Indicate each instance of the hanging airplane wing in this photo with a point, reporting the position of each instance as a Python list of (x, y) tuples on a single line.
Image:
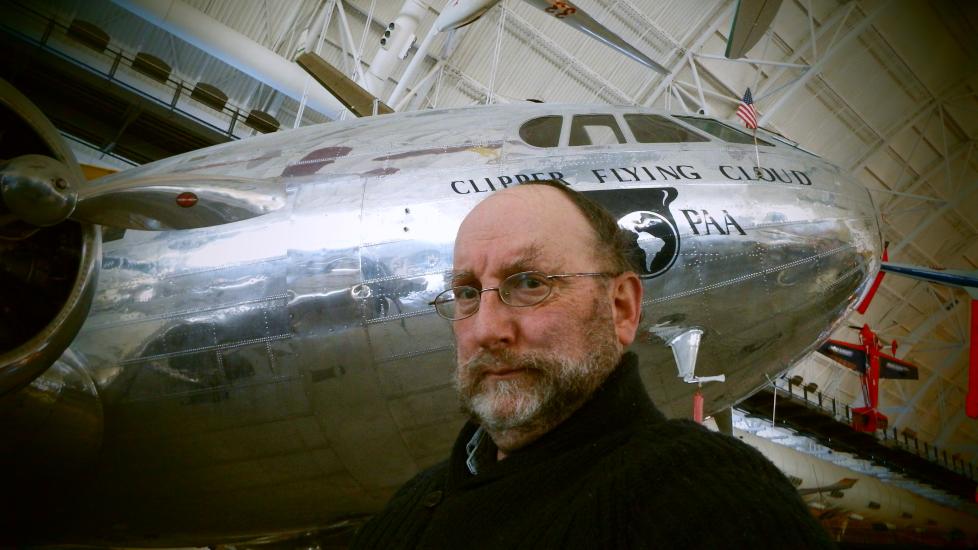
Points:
[(751, 20), (853, 356), (949, 277), (359, 101), (837, 487), (895, 368), (847, 354)]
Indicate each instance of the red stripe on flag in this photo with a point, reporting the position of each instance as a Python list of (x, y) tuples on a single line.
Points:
[(748, 115)]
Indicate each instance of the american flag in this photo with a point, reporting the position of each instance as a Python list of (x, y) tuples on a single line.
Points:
[(746, 110)]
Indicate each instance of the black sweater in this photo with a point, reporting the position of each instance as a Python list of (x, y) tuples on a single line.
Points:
[(616, 474)]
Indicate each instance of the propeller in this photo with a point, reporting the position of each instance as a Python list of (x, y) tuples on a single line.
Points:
[(38, 190)]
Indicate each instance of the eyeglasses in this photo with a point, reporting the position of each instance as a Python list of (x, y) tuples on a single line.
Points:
[(525, 289)]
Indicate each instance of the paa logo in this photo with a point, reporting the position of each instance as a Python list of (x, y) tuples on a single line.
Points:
[(645, 213)]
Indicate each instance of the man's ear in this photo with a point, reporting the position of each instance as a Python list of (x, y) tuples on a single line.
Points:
[(626, 303)]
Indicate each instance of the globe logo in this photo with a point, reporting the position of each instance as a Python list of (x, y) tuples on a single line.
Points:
[(656, 239)]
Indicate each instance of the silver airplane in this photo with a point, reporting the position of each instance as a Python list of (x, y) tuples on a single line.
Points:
[(239, 341)]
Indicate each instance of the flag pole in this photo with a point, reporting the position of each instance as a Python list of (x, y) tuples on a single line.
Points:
[(748, 114), (757, 152)]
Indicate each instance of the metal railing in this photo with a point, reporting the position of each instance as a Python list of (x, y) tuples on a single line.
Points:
[(892, 437), (122, 69)]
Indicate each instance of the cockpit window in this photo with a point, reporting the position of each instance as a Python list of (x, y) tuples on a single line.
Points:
[(542, 132), (595, 130), (722, 131), (659, 129), (790, 143)]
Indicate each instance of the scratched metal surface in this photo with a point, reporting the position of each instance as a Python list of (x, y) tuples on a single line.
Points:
[(286, 371)]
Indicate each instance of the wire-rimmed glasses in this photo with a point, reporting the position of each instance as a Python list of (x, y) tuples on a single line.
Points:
[(525, 289)]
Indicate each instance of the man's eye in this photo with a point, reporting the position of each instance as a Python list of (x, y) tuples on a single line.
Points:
[(528, 282), (466, 293)]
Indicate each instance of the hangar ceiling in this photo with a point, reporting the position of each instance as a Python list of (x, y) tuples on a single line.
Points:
[(884, 89)]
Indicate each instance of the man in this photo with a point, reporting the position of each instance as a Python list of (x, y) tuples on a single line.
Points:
[(564, 448)]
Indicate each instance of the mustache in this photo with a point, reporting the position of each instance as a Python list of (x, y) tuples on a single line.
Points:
[(477, 366)]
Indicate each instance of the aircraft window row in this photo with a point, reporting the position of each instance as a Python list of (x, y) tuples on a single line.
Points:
[(722, 131), (595, 129)]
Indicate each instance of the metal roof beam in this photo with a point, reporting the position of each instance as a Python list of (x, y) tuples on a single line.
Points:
[(926, 327), (949, 429), (841, 13), (963, 193), (635, 14), (949, 361), (697, 44), (816, 68), (888, 137), (926, 173)]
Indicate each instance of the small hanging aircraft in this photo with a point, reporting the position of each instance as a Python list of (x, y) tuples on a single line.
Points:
[(872, 364), (238, 341)]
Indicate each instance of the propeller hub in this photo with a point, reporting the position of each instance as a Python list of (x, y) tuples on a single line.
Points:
[(37, 189)]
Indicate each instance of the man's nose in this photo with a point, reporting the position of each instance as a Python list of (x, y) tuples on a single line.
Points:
[(495, 323)]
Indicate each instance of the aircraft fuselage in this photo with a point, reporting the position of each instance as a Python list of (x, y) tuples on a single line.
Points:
[(287, 371)]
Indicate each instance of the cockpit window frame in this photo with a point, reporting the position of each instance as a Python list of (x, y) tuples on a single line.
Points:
[(560, 134), (705, 137), (565, 132), (685, 118)]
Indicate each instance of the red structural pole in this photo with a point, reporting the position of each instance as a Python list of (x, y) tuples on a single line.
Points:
[(872, 290), (873, 376), (698, 406), (971, 401)]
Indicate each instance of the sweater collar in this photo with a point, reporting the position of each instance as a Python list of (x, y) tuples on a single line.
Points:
[(619, 402)]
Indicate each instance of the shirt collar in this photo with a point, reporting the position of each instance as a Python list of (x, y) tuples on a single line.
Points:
[(471, 450)]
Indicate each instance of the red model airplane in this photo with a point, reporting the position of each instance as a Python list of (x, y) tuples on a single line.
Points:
[(872, 363)]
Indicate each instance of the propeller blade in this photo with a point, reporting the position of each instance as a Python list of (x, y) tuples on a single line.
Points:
[(574, 16), (36, 190), (359, 101), (176, 201), (751, 20), (42, 127)]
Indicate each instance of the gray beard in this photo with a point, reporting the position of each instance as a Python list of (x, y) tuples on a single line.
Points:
[(550, 390)]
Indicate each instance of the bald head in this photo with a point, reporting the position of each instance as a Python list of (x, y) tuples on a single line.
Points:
[(550, 199), (531, 217)]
